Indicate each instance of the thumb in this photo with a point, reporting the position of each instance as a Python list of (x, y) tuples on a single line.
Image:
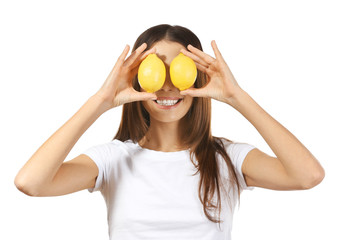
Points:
[(193, 92), (144, 96)]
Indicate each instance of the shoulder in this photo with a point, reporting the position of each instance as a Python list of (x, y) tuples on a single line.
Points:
[(108, 149), (231, 144), (235, 150), (114, 144)]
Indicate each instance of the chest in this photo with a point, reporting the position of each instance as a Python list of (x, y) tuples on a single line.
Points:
[(161, 194)]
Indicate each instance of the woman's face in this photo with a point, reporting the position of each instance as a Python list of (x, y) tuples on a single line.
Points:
[(167, 51)]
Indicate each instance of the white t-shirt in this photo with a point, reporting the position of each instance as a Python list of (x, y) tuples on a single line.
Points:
[(154, 195)]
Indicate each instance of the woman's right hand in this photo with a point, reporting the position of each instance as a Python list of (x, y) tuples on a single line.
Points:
[(118, 87)]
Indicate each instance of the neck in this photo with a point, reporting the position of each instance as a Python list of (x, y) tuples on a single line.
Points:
[(163, 136)]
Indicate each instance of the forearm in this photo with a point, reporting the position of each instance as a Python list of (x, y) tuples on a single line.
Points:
[(294, 156), (41, 168)]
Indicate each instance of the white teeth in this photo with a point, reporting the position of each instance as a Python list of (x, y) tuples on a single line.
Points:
[(167, 102)]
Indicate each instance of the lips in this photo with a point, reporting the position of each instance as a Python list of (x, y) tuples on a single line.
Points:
[(166, 107), (169, 98)]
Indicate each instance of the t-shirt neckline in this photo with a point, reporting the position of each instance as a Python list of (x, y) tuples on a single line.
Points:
[(160, 153), (139, 146)]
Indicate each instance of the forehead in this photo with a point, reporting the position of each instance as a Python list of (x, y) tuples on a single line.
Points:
[(167, 50)]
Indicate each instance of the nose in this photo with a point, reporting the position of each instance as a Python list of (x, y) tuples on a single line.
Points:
[(168, 85)]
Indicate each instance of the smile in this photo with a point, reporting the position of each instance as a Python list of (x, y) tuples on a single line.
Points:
[(168, 104)]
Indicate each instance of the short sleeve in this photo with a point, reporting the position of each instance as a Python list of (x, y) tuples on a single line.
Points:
[(101, 155), (237, 153)]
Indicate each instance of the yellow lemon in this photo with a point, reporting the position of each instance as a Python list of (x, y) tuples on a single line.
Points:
[(152, 73), (183, 72)]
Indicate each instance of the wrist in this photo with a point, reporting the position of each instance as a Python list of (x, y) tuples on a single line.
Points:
[(101, 104), (235, 99)]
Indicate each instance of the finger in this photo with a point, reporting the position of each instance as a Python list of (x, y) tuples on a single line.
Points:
[(142, 57), (194, 57), (216, 51), (194, 92), (120, 59), (204, 69), (201, 67), (143, 96), (137, 62), (145, 54), (135, 54), (207, 58), (123, 55)]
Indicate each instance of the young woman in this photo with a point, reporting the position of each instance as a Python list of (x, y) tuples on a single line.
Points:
[(164, 176)]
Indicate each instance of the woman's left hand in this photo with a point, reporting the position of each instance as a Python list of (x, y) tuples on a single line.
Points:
[(221, 84)]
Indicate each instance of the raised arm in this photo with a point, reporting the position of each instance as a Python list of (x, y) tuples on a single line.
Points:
[(46, 173), (294, 167), (37, 175)]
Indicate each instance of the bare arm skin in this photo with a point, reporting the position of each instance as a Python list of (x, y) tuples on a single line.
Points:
[(46, 173), (294, 167)]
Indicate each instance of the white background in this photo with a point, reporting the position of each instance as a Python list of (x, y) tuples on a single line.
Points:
[(285, 54)]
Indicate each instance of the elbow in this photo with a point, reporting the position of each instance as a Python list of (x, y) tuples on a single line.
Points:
[(23, 186), (315, 179)]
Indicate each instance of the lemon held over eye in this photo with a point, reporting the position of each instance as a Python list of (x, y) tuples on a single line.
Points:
[(152, 73), (183, 72)]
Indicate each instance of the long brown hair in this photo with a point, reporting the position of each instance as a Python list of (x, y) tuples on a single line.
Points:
[(135, 123)]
